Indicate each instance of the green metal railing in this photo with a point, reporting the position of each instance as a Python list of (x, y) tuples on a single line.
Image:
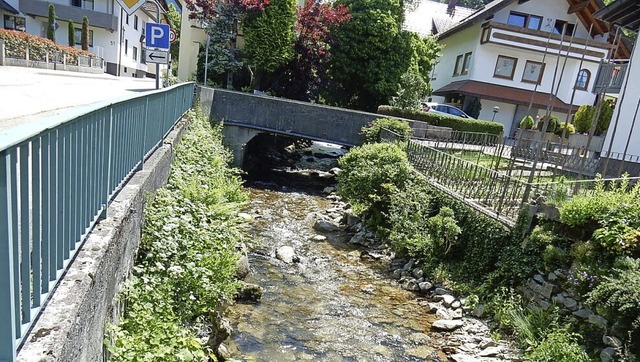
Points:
[(57, 177)]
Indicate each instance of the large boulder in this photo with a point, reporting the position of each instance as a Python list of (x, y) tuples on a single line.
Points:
[(286, 254), (325, 226)]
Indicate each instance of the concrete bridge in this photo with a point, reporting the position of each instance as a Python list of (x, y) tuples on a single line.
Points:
[(246, 115)]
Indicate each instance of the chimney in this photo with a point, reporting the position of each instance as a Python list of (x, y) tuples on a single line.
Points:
[(451, 9)]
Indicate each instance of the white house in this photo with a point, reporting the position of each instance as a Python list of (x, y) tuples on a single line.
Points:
[(113, 35), (621, 150), (430, 17), (524, 57)]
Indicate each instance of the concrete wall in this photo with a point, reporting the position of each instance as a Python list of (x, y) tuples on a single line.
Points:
[(71, 327)]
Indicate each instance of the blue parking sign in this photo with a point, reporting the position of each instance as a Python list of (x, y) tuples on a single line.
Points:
[(157, 36)]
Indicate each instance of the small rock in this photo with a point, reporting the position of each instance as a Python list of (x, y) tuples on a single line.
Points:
[(335, 170), (319, 238), (432, 307), (325, 226), (248, 292), (489, 343), (583, 313), (417, 273), (456, 313), (611, 341), (608, 354), (478, 311), (490, 352), (571, 304), (441, 291), (408, 265), (447, 325), (411, 285), (286, 254), (446, 299), (539, 278), (424, 286), (244, 216), (598, 321), (358, 238), (397, 274), (443, 313), (456, 304), (328, 190), (242, 266), (461, 357), (552, 276)]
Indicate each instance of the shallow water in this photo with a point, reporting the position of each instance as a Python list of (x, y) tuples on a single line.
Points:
[(331, 306)]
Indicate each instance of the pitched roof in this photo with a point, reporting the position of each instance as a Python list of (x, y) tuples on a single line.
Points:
[(502, 93), (428, 15), (5, 6)]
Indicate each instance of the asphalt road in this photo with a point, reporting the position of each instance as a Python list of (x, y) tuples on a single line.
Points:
[(27, 94)]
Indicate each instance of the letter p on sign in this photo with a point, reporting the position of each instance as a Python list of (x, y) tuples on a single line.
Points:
[(157, 36)]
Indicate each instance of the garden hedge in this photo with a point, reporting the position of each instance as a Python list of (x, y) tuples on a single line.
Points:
[(16, 43), (442, 120)]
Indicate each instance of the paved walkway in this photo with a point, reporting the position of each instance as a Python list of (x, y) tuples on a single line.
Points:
[(27, 94)]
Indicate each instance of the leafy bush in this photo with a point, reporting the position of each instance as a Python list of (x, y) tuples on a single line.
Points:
[(412, 89), (553, 123), (186, 261), (584, 117), (16, 43), (372, 130), (443, 230), (527, 122), (558, 346), (617, 298), (442, 120), (570, 129), (370, 175)]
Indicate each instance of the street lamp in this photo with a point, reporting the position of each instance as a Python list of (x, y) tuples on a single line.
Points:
[(496, 109)]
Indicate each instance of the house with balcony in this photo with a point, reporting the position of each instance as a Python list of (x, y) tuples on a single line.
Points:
[(524, 57), (116, 37), (621, 151)]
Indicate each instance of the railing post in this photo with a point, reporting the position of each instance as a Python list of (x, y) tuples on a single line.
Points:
[(103, 214), (7, 298)]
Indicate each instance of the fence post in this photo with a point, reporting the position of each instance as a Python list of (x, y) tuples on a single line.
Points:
[(1, 52), (7, 306)]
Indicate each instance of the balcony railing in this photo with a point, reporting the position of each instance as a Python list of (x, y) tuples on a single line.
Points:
[(70, 12), (610, 77), (518, 37)]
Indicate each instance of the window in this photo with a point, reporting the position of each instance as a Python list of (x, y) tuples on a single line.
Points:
[(505, 67), (135, 22), (466, 63), (143, 56), (561, 24), (78, 36), (15, 23), (533, 72), (126, 20), (582, 81), (458, 69), (126, 46), (85, 4), (135, 53), (525, 20)]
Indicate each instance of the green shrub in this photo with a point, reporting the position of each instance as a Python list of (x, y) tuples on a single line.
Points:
[(558, 346), (527, 122), (443, 230), (51, 31), (84, 41), (584, 117), (617, 298), (71, 33), (370, 175), (570, 129), (372, 130), (442, 120), (553, 123), (16, 43)]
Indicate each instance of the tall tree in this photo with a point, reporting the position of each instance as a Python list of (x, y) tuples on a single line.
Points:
[(306, 74), (71, 29), (85, 33), (175, 22), (269, 37), (370, 55), (51, 23)]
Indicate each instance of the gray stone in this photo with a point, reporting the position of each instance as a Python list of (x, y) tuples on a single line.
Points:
[(286, 254), (328, 190), (319, 238), (432, 307), (462, 357), (441, 291), (552, 276), (420, 338), (443, 313), (478, 311), (539, 278), (583, 313), (447, 325), (244, 216), (559, 298), (490, 352), (425, 286), (242, 266), (456, 304), (397, 274), (325, 226), (408, 265), (456, 313), (608, 354), (611, 341), (571, 304), (547, 289), (598, 321), (249, 293), (411, 285), (447, 299), (417, 273), (358, 238)]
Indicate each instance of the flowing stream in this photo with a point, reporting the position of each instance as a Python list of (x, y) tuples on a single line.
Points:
[(331, 305)]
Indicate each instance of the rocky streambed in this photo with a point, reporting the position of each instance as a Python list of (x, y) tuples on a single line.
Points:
[(332, 292)]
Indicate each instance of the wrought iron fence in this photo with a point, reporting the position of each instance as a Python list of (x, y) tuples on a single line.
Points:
[(55, 184)]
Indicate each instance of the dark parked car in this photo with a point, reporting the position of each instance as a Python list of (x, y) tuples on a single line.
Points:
[(445, 108)]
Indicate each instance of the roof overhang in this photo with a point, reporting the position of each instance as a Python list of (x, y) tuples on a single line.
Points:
[(504, 94), (6, 7), (625, 13)]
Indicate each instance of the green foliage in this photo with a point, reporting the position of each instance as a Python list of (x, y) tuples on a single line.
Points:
[(442, 120), (371, 131), (51, 30), (553, 123), (474, 107), (527, 122), (16, 43), (617, 297), (570, 129), (175, 20), (85, 33), (71, 30), (187, 255), (269, 37), (412, 89), (583, 119), (370, 55), (443, 230), (558, 346), (370, 175)]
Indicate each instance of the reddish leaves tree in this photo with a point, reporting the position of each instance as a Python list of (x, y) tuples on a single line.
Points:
[(305, 76)]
